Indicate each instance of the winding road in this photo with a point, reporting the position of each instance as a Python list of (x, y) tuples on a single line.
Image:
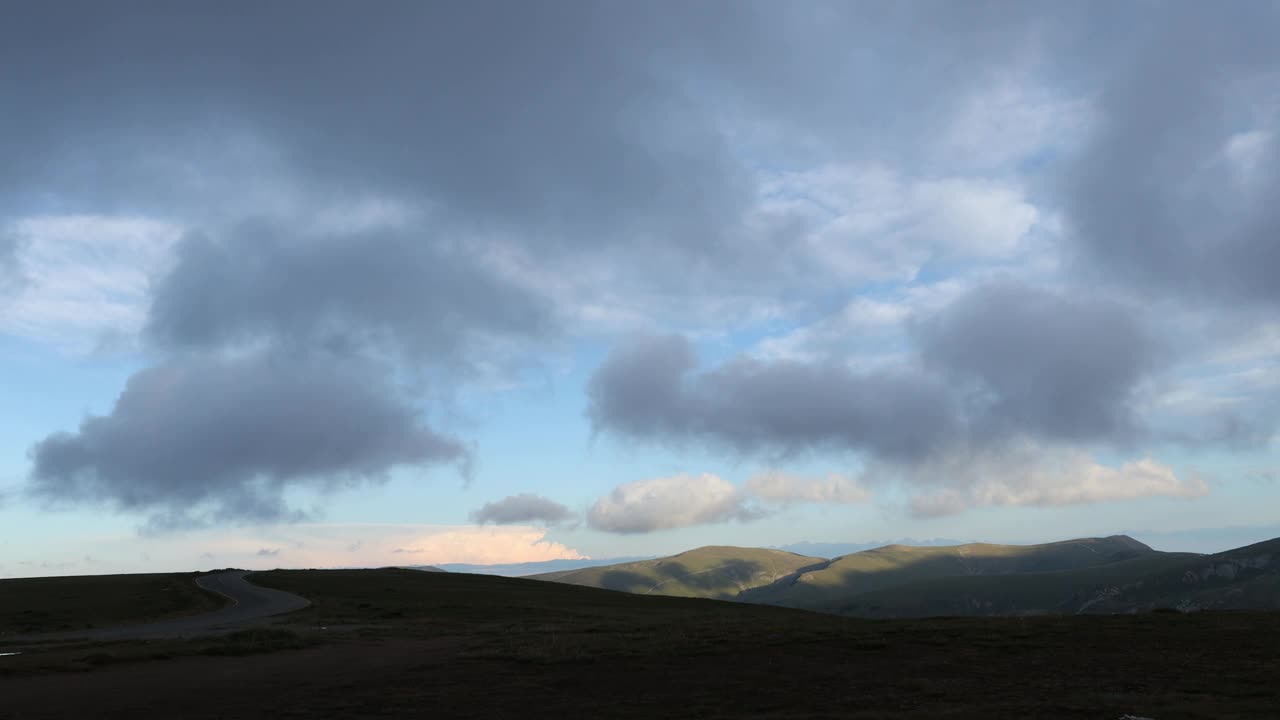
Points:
[(249, 604)]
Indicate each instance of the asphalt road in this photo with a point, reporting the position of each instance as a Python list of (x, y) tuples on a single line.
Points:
[(250, 605)]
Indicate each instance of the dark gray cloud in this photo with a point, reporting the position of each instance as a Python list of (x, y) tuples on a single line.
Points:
[(1042, 363), (522, 508), (394, 288), (649, 390), (598, 156), (554, 120), (223, 439), (1002, 361), (1176, 187), (10, 272), (582, 126)]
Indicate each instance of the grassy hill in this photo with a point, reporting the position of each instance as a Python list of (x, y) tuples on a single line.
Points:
[(708, 572), (35, 605), (1108, 575), (1032, 593), (1246, 578), (835, 584), (388, 643), (1242, 579)]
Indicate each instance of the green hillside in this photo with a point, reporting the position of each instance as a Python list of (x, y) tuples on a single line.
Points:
[(1033, 593), (835, 584), (1246, 578), (708, 572), (1107, 575)]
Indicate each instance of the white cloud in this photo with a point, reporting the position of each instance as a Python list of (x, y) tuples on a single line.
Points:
[(306, 545), (783, 489), (862, 320), (1011, 121), (1030, 476), (871, 222), (86, 278), (671, 502), (1246, 154)]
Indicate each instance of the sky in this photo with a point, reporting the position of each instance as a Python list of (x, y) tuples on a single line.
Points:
[(334, 284)]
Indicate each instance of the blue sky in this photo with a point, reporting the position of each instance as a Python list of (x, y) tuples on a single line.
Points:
[(492, 284)]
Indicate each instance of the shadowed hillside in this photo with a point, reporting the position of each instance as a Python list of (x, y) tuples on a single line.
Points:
[(389, 643), (834, 585), (710, 572), (1243, 579)]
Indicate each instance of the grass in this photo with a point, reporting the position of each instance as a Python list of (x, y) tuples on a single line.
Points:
[(78, 657), (37, 605), (399, 643), (840, 583), (711, 572)]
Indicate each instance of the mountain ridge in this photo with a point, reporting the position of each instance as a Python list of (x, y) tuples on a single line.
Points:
[(1111, 574)]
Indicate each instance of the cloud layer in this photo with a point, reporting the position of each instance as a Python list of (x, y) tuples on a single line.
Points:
[(380, 286), (785, 489), (350, 209), (223, 439), (1003, 360)]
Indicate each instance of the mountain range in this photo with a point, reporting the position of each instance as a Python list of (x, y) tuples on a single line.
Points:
[(1115, 574)]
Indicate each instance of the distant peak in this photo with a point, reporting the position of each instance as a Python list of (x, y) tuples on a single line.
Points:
[(1129, 542)]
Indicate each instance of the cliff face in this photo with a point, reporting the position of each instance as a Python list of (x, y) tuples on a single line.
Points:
[(1247, 578)]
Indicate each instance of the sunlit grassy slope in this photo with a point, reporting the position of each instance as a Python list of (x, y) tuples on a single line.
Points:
[(711, 572)]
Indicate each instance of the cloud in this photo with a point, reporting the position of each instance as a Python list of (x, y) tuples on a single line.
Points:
[(608, 140), (314, 545), (1003, 360), (382, 287), (784, 489), (1042, 363), (522, 509), (1174, 190), (84, 277), (222, 439), (678, 501), (11, 276), (1028, 475), (648, 390), (869, 222), (268, 552), (1002, 366)]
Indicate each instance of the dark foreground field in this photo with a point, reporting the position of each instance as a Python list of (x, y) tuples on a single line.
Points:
[(397, 643)]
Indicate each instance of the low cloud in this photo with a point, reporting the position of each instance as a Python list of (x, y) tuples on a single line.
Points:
[(666, 503), (268, 552), (315, 545), (1002, 366), (1041, 363), (1174, 190), (220, 440), (784, 489), (649, 390), (522, 509), (1030, 476), (380, 286), (11, 275)]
